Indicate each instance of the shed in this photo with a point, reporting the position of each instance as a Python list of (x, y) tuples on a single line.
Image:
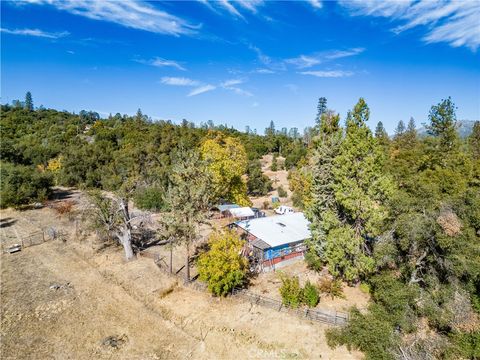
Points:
[(242, 213)]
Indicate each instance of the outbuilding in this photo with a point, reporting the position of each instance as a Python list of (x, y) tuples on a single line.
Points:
[(276, 240)]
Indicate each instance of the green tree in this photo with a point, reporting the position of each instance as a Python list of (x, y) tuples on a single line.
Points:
[(223, 267), (361, 190), (474, 141), (28, 101), (274, 166), (258, 183), (321, 210), (400, 129), (321, 109), (188, 199), (442, 122), (381, 135)]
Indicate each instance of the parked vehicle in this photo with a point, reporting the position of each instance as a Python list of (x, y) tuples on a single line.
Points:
[(283, 210)]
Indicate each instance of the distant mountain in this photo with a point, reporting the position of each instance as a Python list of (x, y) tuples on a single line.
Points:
[(464, 128)]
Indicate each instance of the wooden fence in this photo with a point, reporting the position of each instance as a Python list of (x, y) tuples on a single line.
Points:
[(323, 316)]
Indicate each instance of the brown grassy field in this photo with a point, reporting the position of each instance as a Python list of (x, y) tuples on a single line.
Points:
[(63, 299)]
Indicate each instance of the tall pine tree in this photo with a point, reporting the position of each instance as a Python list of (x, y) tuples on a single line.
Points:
[(321, 109), (360, 189), (322, 209), (28, 101)]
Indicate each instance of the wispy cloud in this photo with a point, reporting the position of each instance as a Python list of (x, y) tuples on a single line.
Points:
[(327, 73), (292, 87), (307, 61), (304, 61), (201, 89), (453, 22), (161, 62), (234, 7), (179, 81), (264, 71), (316, 4), (36, 33), (134, 14), (232, 86)]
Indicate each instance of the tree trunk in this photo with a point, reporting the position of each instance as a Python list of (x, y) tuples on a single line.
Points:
[(126, 240), (171, 256), (187, 264)]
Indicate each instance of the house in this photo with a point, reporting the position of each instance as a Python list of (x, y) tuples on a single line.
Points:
[(276, 240)]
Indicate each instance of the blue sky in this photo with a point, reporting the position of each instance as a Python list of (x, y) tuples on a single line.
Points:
[(243, 62)]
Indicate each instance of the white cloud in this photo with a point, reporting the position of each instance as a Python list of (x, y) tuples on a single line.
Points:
[(232, 82), (179, 81), (134, 14), (36, 33), (255, 104), (337, 54), (452, 22), (201, 89), (307, 61), (233, 7), (239, 91), (316, 4), (328, 73), (161, 62), (264, 71), (303, 61)]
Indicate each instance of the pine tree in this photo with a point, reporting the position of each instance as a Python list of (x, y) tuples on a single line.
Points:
[(400, 129), (28, 101), (321, 109), (381, 135), (443, 120), (321, 211), (474, 141), (360, 190)]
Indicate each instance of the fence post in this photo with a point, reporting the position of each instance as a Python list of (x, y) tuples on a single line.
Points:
[(306, 312)]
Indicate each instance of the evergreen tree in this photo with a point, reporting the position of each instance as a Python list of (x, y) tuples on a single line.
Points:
[(28, 101), (321, 109), (442, 124), (474, 141), (258, 184), (360, 189), (381, 134), (400, 129), (322, 207)]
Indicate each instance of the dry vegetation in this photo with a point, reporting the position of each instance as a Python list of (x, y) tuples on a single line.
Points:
[(66, 299)]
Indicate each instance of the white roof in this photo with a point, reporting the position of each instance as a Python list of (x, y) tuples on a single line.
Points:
[(241, 212), (278, 230)]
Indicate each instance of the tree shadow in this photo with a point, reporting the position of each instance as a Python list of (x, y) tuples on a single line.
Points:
[(6, 222)]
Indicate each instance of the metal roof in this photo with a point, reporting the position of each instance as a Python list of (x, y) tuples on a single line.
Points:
[(242, 212), (224, 207), (278, 230)]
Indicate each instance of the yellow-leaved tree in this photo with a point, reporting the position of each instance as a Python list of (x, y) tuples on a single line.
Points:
[(223, 267), (227, 162)]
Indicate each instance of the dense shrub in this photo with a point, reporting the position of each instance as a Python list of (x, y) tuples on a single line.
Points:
[(310, 295), (21, 185), (282, 192), (291, 291), (371, 333), (150, 198), (223, 267)]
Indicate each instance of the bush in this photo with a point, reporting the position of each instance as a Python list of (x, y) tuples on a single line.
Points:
[(310, 295), (149, 198), (331, 287), (282, 192), (222, 266), (258, 184), (292, 294), (370, 333), (21, 185), (266, 205), (313, 260), (274, 166)]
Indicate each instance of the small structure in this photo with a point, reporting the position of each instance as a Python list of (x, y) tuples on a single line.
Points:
[(221, 211), (242, 213), (274, 240)]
